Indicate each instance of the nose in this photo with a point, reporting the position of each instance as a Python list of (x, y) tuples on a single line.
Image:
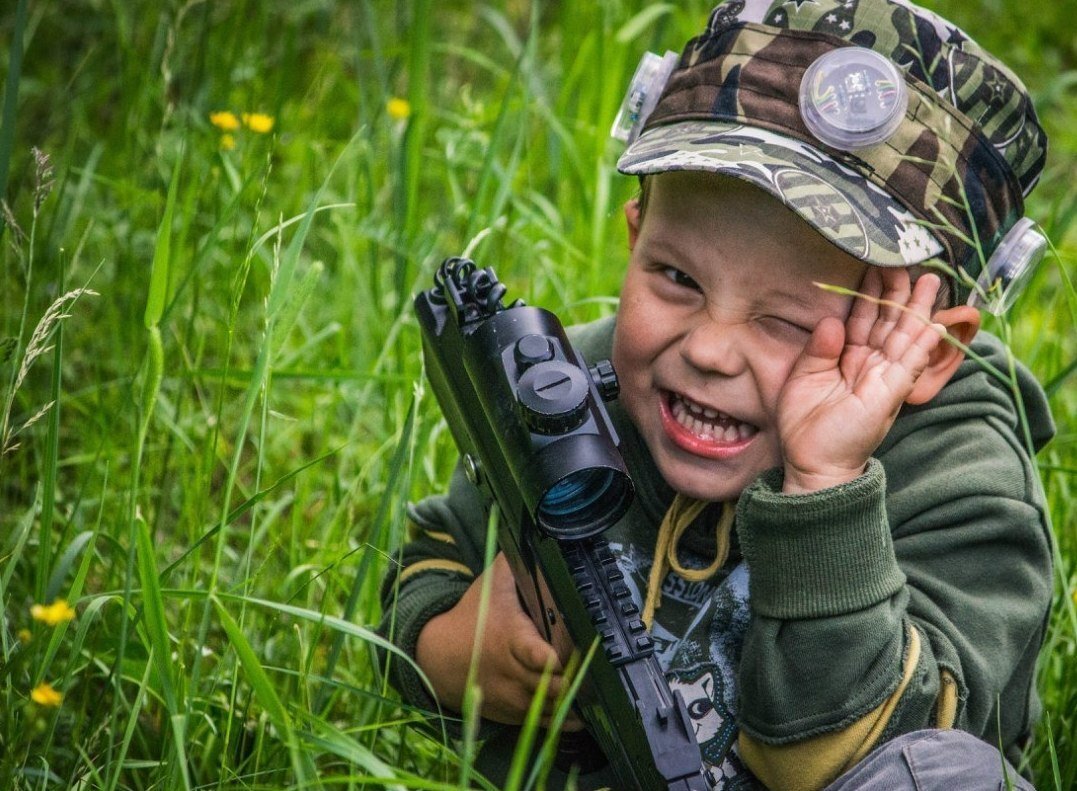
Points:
[(715, 346)]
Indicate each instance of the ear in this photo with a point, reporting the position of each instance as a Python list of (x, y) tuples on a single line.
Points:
[(962, 323), (632, 216)]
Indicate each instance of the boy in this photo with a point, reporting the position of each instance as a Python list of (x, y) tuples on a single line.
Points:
[(838, 531)]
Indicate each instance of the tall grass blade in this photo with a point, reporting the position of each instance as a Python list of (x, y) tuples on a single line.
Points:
[(11, 100), (132, 722), (302, 764), (376, 537), (243, 508), (51, 460), (162, 252), (332, 622), (17, 542), (64, 563), (521, 756), (325, 737), (153, 610), (642, 22), (1055, 384), (281, 290), (415, 136), (577, 672)]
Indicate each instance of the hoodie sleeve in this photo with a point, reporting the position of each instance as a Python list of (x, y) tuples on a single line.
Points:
[(915, 596), (441, 559)]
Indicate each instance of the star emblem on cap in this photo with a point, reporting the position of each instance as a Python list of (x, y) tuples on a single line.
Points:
[(956, 37), (837, 22), (997, 87), (823, 211)]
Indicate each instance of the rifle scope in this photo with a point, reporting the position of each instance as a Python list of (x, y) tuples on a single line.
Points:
[(524, 377)]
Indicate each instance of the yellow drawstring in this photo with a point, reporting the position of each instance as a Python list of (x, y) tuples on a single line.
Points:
[(680, 515)]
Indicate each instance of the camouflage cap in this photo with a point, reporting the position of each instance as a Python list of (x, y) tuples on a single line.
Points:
[(948, 183)]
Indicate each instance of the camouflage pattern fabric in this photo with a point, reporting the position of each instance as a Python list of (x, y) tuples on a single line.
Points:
[(947, 184)]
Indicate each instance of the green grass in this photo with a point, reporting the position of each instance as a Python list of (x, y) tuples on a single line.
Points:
[(237, 413)]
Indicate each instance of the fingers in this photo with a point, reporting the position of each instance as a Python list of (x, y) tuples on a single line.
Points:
[(532, 652), (903, 336), (571, 723), (902, 376), (513, 699), (893, 312), (865, 311)]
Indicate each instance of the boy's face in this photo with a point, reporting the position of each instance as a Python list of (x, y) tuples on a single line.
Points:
[(717, 304)]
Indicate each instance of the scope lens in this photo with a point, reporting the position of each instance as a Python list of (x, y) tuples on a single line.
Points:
[(584, 503)]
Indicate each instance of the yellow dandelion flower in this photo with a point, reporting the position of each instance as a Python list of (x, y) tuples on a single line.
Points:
[(399, 109), (44, 695), (228, 142), (25, 636), (52, 614), (224, 120), (258, 122)]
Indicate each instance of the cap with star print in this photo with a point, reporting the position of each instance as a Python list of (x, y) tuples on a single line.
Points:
[(946, 180)]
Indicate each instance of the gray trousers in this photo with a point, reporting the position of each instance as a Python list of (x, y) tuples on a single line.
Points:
[(928, 760), (932, 761)]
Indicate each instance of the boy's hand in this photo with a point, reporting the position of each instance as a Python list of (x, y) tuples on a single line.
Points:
[(512, 658), (845, 390)]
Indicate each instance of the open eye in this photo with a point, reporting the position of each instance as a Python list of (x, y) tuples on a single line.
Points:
[(680, 278)]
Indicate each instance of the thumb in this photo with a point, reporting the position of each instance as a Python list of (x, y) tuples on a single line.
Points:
[(532, 651), (823, 348)]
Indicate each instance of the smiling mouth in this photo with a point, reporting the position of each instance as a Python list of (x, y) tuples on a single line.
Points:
[(704, 430)]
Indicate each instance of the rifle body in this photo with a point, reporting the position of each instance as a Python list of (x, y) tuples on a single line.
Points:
[(527, 416)]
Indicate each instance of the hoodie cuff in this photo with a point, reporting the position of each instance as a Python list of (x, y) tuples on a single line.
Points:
[(422, 598), (819, 554)]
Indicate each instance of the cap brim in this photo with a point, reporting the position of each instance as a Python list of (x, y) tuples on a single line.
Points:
[(845, 207)]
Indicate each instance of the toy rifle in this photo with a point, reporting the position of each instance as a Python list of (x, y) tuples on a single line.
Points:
[(527, 415)]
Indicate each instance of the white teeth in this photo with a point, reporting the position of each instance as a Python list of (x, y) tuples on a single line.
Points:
[(708, 422), (698, 410)]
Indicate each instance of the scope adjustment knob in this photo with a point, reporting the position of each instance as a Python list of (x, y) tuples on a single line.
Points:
[(605, 379), (532, 350), (553, 397)]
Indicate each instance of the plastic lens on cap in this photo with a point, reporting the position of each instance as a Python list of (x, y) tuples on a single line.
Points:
[(1010, 267), (853, 97), (647, 84)]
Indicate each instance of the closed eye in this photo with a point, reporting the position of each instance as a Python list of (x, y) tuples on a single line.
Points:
[(785, 326), (680, 278)]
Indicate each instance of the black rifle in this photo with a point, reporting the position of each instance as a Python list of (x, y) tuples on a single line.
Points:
[(527, 415)]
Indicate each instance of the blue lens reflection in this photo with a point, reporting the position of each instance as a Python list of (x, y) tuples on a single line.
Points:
[(575, 494)]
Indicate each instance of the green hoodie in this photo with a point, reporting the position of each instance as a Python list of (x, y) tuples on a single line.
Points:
[(915, 596)]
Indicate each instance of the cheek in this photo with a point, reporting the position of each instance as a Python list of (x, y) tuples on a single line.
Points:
[(632, 339), (771, 376), (629, 359)]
